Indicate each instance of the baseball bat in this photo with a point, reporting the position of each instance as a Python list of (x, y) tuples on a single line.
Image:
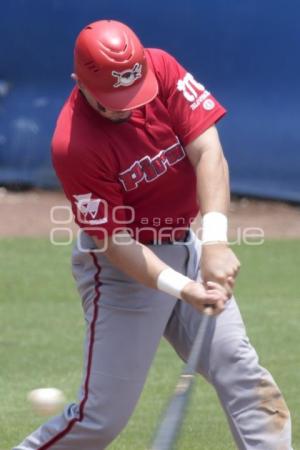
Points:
[(169, 428)]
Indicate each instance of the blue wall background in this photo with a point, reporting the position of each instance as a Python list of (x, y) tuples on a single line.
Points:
[(245, 51)]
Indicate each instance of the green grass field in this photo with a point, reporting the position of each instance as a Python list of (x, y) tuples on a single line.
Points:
[(41, 329)]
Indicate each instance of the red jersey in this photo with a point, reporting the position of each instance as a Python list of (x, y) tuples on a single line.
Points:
[(135, 174)]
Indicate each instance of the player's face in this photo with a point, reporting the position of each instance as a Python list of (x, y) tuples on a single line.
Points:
[(114, 116)]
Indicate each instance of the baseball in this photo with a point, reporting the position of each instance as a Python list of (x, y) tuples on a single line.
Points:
[(46, 401)]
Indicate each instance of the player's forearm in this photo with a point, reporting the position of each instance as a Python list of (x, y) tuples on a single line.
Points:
[(140, 263), (134, 259)]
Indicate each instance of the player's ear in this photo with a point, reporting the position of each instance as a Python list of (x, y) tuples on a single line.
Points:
[(77, 81), (74, 77)]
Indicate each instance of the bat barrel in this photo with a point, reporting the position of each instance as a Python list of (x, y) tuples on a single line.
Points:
[(172, 420)]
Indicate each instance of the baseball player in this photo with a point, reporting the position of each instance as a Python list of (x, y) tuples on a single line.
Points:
[(138, 155)]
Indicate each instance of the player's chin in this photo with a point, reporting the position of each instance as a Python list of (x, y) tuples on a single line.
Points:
[(121, 117)]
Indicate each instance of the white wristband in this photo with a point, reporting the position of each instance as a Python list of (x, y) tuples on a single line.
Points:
[(214, 227), (172, 282)]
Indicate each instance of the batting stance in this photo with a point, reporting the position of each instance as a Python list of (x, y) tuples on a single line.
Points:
[(137, 153)]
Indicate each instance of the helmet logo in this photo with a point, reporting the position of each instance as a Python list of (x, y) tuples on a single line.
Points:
[(128, 76)]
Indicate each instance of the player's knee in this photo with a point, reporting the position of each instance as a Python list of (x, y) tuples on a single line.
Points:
[(230, 357)]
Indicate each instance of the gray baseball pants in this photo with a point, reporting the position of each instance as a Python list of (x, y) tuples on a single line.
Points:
[(124, 324)]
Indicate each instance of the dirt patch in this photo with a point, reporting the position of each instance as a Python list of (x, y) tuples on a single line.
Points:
[(277, 220), (273, 404), (33, 213)]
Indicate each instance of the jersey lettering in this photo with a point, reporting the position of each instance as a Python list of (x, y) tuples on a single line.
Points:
[(174, 154), (160, 163), (131, 177), (148, 169), (195, 93), (190, 87)]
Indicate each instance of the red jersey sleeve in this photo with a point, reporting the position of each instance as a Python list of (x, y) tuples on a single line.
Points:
[(191, 106), (94, 193)]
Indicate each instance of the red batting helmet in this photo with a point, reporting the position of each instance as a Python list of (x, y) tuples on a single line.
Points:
[(111, 63)]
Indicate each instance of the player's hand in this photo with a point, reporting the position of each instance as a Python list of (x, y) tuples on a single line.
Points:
[(201, 296), (219, 264)]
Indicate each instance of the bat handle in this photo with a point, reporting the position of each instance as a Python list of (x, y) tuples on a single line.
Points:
[(208, 310)]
